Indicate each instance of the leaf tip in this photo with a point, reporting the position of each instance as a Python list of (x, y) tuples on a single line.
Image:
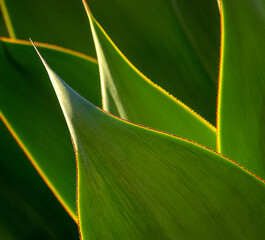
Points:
[(42, 59)]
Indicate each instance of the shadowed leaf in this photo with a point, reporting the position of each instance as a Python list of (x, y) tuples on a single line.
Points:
[(3, 29), (60, 22), (28, 208)]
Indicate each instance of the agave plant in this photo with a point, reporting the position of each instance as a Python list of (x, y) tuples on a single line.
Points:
[(149, 161)]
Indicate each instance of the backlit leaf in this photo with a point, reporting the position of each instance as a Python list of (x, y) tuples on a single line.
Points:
[(29, 106), (136, 183), (242, 88), (130, 95), (175, 43)]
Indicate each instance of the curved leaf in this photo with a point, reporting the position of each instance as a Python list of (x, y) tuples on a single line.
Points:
[(130, 95), (29, 106), (241, 132), (28, 208), (65, 19), (175, 43), (136, 183)]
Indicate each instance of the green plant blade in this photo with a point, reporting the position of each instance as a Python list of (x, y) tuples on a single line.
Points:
[(130, 95), (66, 20), (136, 183), (241, 132), (7, 27), (29, 106), (3, 29), (28, 208), (175, 43)]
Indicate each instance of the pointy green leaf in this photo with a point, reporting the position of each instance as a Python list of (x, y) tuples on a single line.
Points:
[(175, 43), (130, 95), (28, 208), (136, 183), (242, 88), (29, 106), (66, 20)]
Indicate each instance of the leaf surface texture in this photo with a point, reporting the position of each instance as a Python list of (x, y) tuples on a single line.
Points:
[(130, 95), (29, 105), (175, 43), (241, 116), (136, 183)]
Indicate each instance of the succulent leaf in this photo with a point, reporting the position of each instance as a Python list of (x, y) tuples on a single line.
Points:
[(29, 106), (130, 95), (175, 43), (28, 208), (137, 183), (59, 22), (241, 115)]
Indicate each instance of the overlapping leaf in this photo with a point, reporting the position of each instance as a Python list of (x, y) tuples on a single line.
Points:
[(28, 208), (65, 20), (29, 106), (242, 88), (136, 183), (131, 96), (175, 43)]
